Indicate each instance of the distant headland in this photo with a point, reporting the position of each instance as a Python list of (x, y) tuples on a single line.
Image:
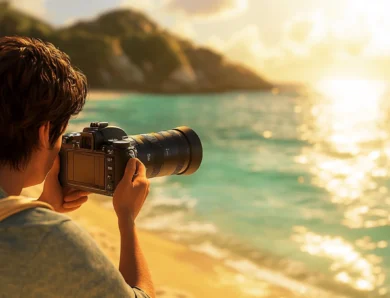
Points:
[(125, 50)]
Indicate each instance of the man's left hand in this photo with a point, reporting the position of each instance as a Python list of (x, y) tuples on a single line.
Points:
[(60, 198)]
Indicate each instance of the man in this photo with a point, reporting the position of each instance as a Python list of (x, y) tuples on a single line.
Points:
[(42, 252)]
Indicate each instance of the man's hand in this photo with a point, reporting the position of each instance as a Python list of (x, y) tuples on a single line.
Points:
[(130, 194), (129, 197), (61, 199)]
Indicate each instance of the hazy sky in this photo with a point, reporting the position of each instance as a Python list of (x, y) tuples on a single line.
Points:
[(300, 40)]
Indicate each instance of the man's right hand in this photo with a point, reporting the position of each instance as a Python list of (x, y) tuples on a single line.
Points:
[(130, 194), (129, 197)]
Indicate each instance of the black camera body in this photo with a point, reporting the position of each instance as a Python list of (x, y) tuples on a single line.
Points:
[(95, 159)]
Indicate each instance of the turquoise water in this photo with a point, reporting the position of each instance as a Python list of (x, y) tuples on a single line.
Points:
[(291, 184)]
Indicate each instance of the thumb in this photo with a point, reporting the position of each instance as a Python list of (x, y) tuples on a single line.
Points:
[(75, 195)]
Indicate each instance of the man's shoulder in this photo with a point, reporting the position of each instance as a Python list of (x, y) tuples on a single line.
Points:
[(42, 232), (35, 217), (48, 230)]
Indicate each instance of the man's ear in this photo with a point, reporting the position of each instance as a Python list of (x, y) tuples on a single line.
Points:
[(44, 135)]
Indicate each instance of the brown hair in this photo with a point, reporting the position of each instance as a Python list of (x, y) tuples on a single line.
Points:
[(37, 85)]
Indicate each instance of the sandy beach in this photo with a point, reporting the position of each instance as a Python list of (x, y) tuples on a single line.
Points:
[(96, 94), (177, 271)]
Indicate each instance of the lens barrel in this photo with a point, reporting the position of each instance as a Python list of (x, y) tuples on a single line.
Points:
[(170, 152)]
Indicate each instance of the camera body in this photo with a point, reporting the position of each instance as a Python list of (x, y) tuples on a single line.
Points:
[(95, 159)]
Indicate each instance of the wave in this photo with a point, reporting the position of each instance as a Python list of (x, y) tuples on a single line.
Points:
[(242, 136), (170, 212), (253, 273), (165, 201), (174, 219), (256, 272), (176, 226), (256, 267)]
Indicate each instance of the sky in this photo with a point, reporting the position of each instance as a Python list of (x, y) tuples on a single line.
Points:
[(283, 40)]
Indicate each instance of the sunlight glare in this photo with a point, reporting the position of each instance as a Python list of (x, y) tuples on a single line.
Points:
[(346, 127), (351, 267), (352, 91)]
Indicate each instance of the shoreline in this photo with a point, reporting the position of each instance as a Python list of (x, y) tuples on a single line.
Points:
[(177, 271), (97, 94), (109, 94)]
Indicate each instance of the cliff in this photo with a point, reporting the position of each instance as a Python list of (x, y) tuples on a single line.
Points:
[(124, 49)]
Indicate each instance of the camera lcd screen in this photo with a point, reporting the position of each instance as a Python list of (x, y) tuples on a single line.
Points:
[(86, 168)]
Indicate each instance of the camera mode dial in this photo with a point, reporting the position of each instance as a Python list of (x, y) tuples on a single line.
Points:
[(98, 125), (121, 144)]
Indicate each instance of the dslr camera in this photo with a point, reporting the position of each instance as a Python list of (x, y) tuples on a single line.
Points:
[(95, 159)]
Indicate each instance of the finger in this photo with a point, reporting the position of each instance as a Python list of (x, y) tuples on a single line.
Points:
[(75, 195), (75, 203), (131, 168), (78, 202), (68, 190), (66, 210), (141, 170)]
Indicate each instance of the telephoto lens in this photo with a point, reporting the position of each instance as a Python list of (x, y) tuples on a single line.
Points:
[(170, 152)]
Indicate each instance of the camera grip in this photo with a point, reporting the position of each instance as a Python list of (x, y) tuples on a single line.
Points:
[(121, 158)]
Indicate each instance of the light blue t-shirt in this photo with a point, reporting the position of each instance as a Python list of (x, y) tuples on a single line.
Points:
[(45, 254)]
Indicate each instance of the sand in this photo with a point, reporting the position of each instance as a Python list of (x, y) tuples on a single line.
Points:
[(96, 94), (177, 271)]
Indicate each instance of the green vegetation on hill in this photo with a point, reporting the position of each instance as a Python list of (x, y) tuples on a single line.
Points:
[(124, 49), (89, 52), (156, 54), (17, 23)]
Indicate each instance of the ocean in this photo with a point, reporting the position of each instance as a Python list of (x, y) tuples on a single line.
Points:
[(293, 187)]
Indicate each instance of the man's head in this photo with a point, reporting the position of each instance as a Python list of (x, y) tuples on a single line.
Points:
[(39, 92)]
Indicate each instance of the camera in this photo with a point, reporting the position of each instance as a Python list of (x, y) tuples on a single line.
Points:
[(95, 159)]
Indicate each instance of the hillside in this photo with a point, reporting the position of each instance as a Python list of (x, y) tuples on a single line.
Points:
[(124, 49)]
